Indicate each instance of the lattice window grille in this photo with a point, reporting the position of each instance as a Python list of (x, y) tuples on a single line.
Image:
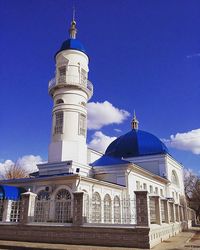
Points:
[(96, 208), (133, 215), (62, 74), (42, 207), (15, 211), (126, 211), (82, 124), (163, 211), (59, 122), (63, 207), (107, 209), (63, 212), (152, 205), (117, 210)]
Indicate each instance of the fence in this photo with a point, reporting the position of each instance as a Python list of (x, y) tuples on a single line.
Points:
[(94, 211), (59, 211), (166, 211), (10, 210), (67, 208), (116, 211)]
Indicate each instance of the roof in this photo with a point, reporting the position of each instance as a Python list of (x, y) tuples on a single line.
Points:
[(107, 160), (10, 192), (72, 43), (136, 143)]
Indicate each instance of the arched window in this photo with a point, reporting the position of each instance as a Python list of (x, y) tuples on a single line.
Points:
[(107, 209), (43, 195), (63, 206), (42, 206), (96, 208), (59, 101), (62, 74), (82, 124), (117, 210), (59, 117), (174, 178)]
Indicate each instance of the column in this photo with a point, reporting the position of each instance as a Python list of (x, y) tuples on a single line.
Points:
[(177, 213), (27, 207), (158, 210), (7, 205), (142, 208), (78, 218), (181, 213), (173, 213), (185, 213), (167, 212)]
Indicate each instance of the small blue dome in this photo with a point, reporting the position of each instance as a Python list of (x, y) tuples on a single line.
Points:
[(72, 43), (136, 143)]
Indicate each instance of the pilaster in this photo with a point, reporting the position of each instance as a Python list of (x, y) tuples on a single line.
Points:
[(7, 205), (142, 208), (158, 210), (78, 218), (27, 207)]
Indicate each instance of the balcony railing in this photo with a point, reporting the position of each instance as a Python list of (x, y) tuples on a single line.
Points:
[(62, 82)]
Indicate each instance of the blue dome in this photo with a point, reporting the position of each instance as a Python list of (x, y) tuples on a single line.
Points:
[(72, 44), (136, 143)]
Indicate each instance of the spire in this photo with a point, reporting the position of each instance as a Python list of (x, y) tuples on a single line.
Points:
[(72, 29), (134, 122)]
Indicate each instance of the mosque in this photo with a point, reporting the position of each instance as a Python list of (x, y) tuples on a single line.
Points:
[(135, 185)]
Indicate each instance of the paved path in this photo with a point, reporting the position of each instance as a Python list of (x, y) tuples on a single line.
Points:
[(184, 241)]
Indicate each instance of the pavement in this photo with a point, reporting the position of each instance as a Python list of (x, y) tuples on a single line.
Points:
[(189, 240)]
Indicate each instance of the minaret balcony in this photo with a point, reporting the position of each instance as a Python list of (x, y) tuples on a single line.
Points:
[(63, 82)]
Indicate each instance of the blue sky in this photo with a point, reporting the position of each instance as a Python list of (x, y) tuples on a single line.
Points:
[(144, 55)]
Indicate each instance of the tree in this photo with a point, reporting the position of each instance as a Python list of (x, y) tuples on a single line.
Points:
[(189, 183), (15, 171), (192, 191)]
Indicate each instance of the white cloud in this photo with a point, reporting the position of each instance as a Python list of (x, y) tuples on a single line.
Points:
[(102, 114), (189, 141), (100, 141), (4, 165), (28, 162)]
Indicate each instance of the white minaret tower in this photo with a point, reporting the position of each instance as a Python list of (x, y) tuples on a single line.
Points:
[(70, 90)]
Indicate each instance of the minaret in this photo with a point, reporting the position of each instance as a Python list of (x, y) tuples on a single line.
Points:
[(70, 90), (134, 122)]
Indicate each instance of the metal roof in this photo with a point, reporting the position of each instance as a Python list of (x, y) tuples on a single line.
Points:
[(136, 143)]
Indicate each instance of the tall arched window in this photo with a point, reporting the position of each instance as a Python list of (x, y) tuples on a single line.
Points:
[(82, 124), (117, 210), (174, 178), (107, 209), (42, 207), (63, 206), (59, 117), (96, 208)]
